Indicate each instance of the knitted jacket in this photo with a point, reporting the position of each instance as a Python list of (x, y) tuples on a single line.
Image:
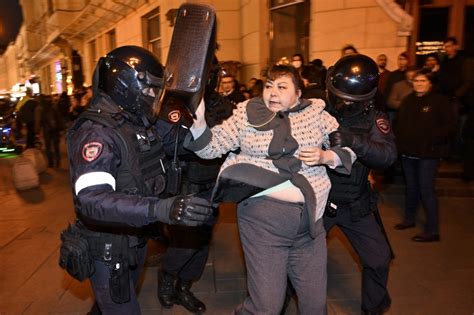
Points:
[(309, 125)]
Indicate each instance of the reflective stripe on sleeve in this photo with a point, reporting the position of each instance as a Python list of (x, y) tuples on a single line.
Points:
[(92, 179)]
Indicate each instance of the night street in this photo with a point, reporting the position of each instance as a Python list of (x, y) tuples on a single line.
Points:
[(160, 100), (434, 278)]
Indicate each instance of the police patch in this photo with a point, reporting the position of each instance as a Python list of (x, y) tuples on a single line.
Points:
[(174, 116), (383, 125), (91, 151)]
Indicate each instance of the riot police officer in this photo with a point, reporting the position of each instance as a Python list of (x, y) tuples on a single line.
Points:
[(185, 258), (118, 166), (352, 204)]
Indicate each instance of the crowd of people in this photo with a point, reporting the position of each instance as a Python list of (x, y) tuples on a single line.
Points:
[(293, 150), (42, 119), (450, 74)]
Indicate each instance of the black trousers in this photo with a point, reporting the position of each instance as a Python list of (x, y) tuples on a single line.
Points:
[(186, 264), (30, 135), (187, 253), (370, 244), (51, 146), (100, 282)]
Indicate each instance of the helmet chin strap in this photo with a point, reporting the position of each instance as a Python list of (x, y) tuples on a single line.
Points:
[(139, 112), (145, 120)]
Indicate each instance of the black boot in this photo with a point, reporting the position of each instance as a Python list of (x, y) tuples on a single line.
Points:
[(187, 299), (166, 292)]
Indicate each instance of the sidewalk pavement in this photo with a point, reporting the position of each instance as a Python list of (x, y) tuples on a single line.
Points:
[(434, 278)]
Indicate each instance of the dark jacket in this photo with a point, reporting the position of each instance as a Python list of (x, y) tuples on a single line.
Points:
[(134, 179), (314, 90), (393, 77), (374, 149), (451, 75), (236, 97), (425, 125)]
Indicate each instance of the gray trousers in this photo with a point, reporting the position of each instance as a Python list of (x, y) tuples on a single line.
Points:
[(277, 246)]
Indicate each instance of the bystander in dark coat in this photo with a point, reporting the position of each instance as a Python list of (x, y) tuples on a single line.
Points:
[(424, 128), (51, 124)]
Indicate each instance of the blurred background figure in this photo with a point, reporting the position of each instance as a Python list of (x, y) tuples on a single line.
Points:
[(397, 75), (318, 63), (50, 124), (229, 90), (394, 77), (432, 63), (381, 61), (251, 83), (456, 81), (297, 61), (257, 89), (399, 91), (348, 49), (63, 105), (312, 79), (77, 106), (26, 110)]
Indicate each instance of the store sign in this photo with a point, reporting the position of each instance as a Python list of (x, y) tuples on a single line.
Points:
[(58, 76), (425, 48)]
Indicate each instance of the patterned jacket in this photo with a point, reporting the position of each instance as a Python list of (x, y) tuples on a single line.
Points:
[(268, 141)]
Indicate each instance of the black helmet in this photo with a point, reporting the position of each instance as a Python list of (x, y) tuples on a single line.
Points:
[(353, 78), (133, 78)]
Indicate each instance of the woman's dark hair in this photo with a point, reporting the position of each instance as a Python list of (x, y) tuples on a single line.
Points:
[(257, 88), (299, 56), (432, 55), (451, 39), (277, 71), (349, 47), (425, 72), (404, 55), (312, 74)]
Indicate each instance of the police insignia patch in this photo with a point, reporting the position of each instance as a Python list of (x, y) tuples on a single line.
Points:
[(174, 116), (383, 125), (91, 151)]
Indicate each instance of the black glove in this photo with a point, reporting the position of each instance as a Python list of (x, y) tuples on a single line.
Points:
[(186, 210), (340, 138)]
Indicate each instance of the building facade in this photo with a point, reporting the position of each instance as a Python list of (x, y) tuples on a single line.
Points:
[(60, 41)]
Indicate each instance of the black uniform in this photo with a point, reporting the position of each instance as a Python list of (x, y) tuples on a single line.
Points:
[(188, 250), (118, 174), (356, 201), (117, 165), (352, 204)]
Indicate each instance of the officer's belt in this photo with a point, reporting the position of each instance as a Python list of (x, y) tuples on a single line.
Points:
[(109, 247)]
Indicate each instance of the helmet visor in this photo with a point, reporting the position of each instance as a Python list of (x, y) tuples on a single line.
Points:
[(152, 92)]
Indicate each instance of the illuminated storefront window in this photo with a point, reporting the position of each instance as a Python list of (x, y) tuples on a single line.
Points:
[(58, 76)]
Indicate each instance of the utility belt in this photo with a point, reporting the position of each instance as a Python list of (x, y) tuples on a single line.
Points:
[(361, 207), (81, 247)]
